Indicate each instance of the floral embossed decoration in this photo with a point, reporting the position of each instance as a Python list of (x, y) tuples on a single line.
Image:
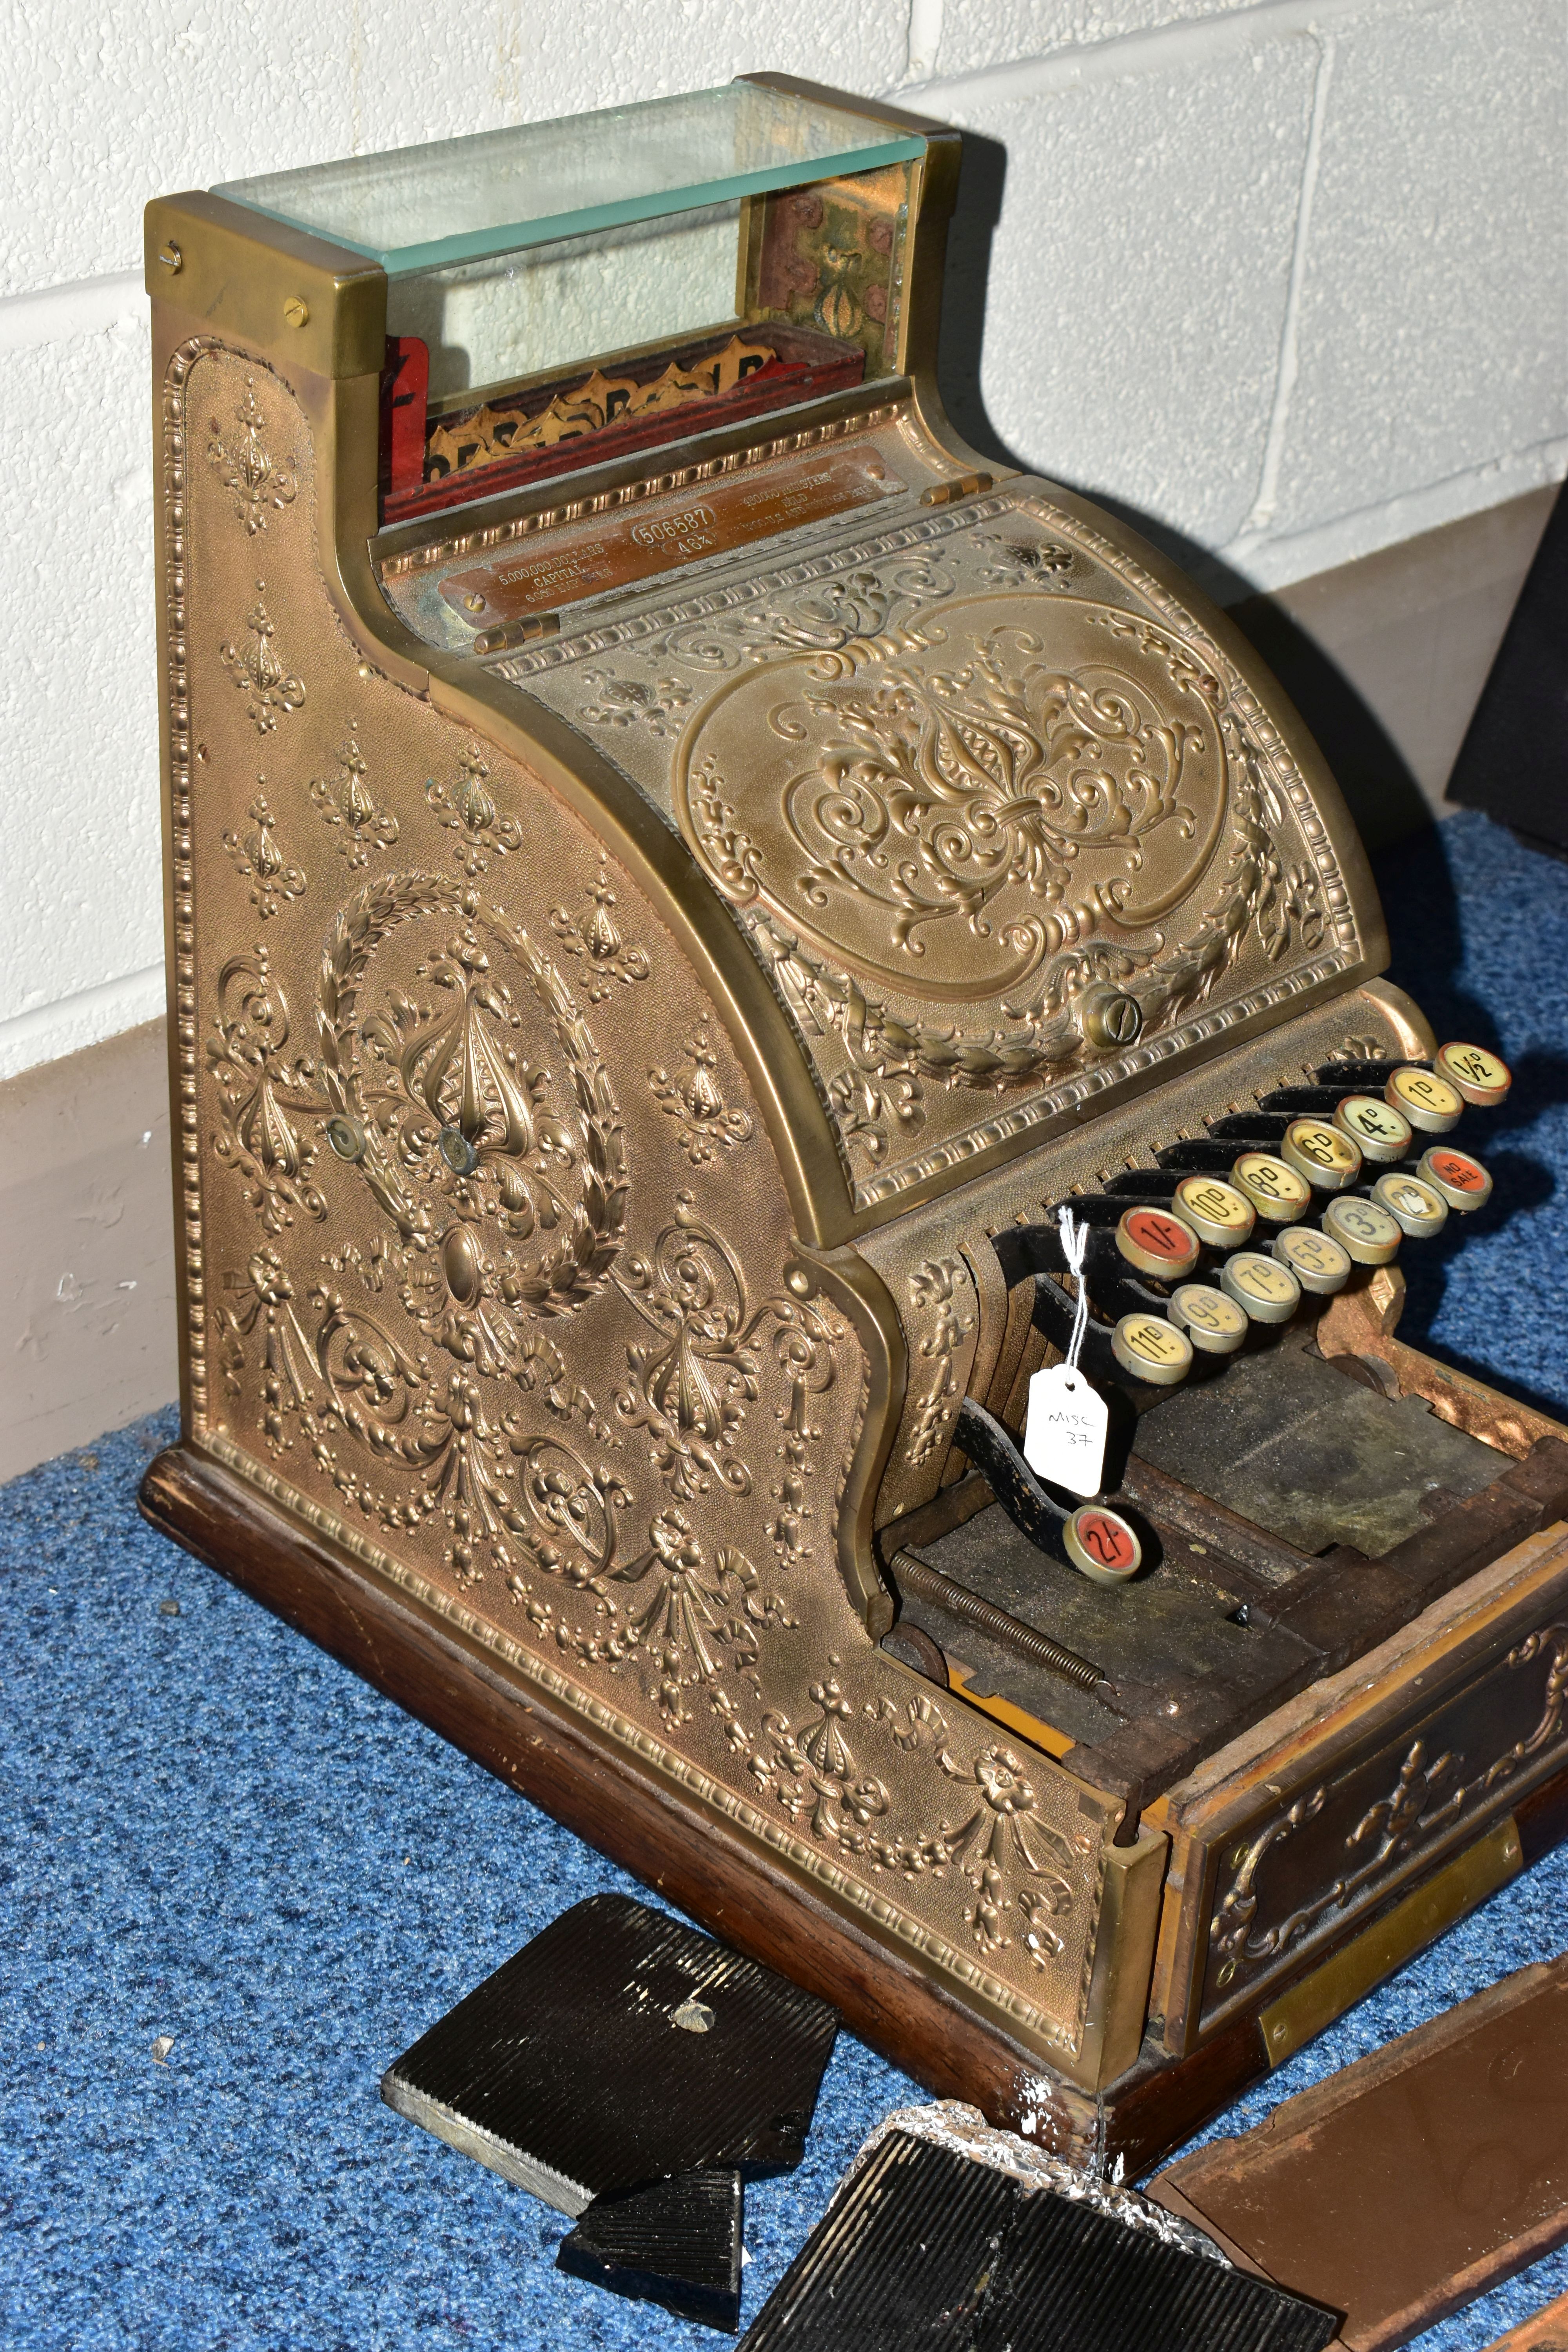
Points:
[(257, 671), (704, 1128), (261, 863), (595, 939), (468, 808), (625, 702), (347, 803), (246, 469)]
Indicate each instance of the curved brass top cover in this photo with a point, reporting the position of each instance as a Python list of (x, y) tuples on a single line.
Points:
[(1007, 821)]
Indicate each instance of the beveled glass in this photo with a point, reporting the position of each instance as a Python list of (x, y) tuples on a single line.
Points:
[(499, 191)]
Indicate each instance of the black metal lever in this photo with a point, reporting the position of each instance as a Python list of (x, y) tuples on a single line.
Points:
[(1032, 1505)]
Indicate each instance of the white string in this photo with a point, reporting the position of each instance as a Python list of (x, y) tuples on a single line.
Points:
[(1075, 1241)]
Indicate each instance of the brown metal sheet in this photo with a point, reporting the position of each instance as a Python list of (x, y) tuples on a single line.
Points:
[(663, 539), (1547, 2332), (1412, 2181)]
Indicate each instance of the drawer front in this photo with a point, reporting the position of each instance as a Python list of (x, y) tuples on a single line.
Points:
[(1423, 1747)]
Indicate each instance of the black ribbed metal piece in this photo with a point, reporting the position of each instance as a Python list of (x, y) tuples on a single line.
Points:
[(925, 2248), (1072, 2279), (617, 2047), (899, 2262), (676, 2242)]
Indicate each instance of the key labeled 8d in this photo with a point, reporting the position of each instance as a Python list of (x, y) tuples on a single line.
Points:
[(1274, 1191)]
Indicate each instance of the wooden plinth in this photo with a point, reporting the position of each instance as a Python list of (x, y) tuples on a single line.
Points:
[(462, 1691)]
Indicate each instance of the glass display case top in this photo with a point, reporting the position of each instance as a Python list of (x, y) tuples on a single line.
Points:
[(500, 191)]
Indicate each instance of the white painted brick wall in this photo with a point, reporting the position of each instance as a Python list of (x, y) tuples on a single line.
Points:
[(1286, 274)]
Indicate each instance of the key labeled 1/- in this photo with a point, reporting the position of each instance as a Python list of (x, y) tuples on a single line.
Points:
[(1065, 1430)]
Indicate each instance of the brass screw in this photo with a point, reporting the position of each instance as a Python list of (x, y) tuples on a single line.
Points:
[(170, 257), (296, 311), (474, 603)]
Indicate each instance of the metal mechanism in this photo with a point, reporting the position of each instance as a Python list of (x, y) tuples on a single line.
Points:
[(928, 1583), (676, 875)]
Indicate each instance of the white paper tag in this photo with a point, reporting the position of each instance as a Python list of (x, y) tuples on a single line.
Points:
[(1064, 1430)]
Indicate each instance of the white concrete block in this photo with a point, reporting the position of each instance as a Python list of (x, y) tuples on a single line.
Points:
[(153, 96), (79, 761), (972, 38), (1431, 333), (1139, 279)]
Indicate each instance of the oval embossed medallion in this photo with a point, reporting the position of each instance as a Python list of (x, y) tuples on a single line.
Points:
[(944, 811)]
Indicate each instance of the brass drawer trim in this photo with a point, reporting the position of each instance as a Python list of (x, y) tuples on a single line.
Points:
[(1428, 1912)]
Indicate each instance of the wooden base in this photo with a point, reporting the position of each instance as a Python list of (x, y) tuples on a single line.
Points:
[(463, 1693)]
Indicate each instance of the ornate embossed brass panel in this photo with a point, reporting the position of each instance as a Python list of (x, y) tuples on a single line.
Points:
[(600, 1063)]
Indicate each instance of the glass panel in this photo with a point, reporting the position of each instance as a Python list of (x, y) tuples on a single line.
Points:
[(521, 313), (419, 207)]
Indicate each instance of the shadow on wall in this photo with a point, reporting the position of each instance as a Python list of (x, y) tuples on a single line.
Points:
[(1412, 854), (1384, 797)]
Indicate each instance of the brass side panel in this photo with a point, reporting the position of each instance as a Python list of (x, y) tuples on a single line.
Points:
[(961, 774), (1308, 1825), (489, 1275)]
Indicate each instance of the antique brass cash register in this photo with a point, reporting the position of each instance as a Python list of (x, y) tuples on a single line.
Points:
[(677, 874)]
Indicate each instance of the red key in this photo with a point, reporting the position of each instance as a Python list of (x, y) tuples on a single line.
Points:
[(1155, 1242), (1102, 1544), (1459, 1180)]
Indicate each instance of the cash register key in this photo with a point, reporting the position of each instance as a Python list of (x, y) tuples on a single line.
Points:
[(1264, 1290), (1216, 1211), (1480, 1076), (1376, 1128), (1427, 1100), (1212, 1321), (1101, 1544), (1152, 1350), (1416, 1208), (1369, 1233), (1455, 1177), (1274, 1191), (1318, 1262), (1324, 1155), (1157, 1243)]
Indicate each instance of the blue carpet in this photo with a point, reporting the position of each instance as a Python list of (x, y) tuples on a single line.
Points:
[(210, 1830)]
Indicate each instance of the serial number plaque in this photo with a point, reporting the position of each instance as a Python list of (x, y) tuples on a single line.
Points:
[(637, 546)]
